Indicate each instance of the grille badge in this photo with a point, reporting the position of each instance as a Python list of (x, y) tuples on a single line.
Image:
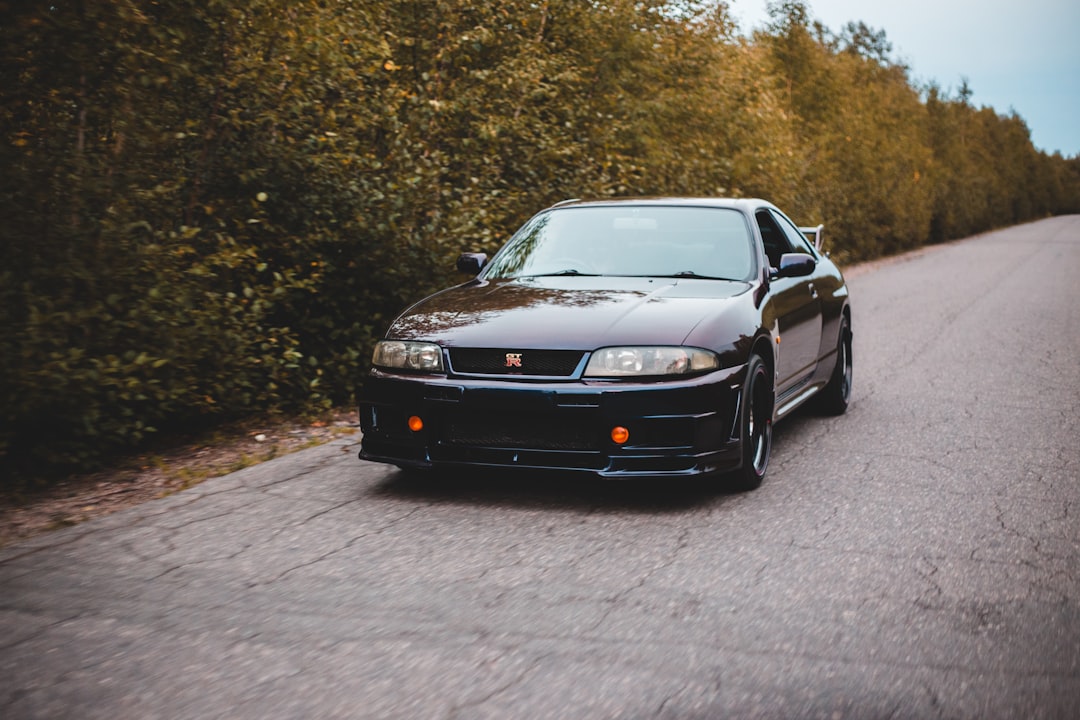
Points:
[(513, 360)]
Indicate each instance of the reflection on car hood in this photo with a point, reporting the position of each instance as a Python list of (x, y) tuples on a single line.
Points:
[(567, 312)]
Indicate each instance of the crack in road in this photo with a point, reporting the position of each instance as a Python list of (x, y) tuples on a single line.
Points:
[(458, 709), (331, 553), (612, 602)]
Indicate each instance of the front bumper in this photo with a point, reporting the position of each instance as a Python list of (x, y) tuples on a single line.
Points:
[(677, 428)]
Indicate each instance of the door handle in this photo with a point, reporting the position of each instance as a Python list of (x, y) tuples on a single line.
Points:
[(813, 291)]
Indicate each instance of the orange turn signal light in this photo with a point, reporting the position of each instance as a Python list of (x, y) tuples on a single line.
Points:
[(415, 423), (619, 435)]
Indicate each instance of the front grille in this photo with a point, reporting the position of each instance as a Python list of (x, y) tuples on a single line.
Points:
[(521, 432), (488, 361)]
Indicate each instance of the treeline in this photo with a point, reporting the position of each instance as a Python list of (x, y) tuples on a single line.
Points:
[(211, 207)]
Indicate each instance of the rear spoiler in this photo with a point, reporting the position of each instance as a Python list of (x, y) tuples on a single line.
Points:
[(813, 234)]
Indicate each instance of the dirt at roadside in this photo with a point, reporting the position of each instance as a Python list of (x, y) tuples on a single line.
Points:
[(151, 475)]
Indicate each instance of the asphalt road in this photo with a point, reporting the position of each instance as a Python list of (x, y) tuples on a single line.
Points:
[(918, 557)]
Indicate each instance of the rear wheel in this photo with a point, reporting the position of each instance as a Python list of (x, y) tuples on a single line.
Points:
[(756, 421), (837, 394)]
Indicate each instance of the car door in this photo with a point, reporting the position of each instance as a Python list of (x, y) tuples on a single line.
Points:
[(796, 306)]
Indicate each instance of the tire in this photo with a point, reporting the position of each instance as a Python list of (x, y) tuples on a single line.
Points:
[(837, 394), (756, 426)]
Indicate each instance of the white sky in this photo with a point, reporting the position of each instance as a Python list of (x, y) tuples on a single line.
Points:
[(1022, 56)]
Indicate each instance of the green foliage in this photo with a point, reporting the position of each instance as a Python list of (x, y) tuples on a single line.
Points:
[(213, 208)]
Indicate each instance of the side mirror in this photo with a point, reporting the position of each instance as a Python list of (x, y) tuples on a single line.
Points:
[(795, 265), (471, 263)]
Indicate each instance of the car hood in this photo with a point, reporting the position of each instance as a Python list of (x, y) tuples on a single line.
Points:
[(567, 312)]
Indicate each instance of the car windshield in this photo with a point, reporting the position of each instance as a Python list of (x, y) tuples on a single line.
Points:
[(629, 240)]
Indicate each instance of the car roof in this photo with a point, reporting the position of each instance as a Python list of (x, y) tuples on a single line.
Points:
[(743, 204)]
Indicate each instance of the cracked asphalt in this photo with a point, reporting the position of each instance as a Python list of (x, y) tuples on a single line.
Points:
[(918, 557)]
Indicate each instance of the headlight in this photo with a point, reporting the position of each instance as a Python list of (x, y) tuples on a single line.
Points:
[(655, 361), (403, 355)]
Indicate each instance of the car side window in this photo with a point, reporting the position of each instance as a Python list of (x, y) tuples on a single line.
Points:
[(796, 239), (775, 240)]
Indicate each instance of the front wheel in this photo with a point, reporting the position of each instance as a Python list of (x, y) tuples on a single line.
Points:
[(756, 422)]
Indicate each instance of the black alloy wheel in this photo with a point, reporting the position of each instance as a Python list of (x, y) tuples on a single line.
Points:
[(757, 409), (837, 394)]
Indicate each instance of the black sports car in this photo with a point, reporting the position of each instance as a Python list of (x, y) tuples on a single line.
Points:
[(627, 337)]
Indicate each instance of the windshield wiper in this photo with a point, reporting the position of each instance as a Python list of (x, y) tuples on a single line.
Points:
[(568, 271), (692, 274)]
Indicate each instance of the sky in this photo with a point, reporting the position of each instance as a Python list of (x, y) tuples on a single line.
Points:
[(1016, 56)]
